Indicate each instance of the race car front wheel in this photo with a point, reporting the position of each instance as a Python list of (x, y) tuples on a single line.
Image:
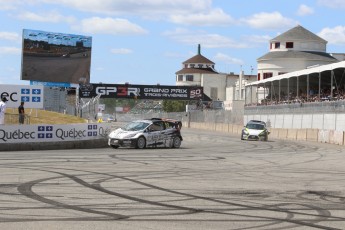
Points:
[(141, 143)]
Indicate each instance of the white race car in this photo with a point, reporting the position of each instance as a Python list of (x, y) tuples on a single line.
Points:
[(155, 132), (255, 130)]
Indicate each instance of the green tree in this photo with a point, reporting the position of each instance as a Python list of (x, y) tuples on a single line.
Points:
[(174, 106), (111, 103)]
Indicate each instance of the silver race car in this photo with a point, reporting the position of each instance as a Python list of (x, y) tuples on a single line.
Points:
[(255, 130), (155, 132)]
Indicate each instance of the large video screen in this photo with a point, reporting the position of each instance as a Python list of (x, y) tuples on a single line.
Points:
[(56, 57)]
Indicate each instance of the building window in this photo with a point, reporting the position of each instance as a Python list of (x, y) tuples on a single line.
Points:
[(268, 75), (270, 45), (289, 45), (189, 77), (258, 76), (191, 65), (200, 65), (185, 65), (277, 45), (179, 77), (280, 73)]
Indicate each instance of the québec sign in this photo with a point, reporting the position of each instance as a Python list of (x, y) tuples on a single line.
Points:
[(31, 95), (53, 133)]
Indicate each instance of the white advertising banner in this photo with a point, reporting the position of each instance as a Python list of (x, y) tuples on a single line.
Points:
[(31, 95), (53, 133)]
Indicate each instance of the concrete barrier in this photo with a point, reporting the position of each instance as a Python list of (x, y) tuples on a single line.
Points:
[(338, 137), (222, 127), (323, 136), (230, 128), (331, 136), (198, 125), (283, 133), (210, 126), (302, 134), (312, 135), (237, 129), (85, 144), (273, 133), (292, 134)]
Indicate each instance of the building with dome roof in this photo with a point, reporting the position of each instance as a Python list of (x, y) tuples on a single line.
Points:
[(296, 49), (200, 71), (297, 68)]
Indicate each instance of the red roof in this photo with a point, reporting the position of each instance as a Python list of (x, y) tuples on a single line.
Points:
[(198, 59), (196, 70)]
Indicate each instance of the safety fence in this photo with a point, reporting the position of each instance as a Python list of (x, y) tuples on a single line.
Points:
[(322, 115), (209, 116)]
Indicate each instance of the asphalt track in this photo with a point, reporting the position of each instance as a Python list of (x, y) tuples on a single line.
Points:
[(214, 181)]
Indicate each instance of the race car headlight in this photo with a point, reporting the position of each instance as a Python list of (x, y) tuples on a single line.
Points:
[(130, 135), (112, 135), (245, 132), (263, 133)]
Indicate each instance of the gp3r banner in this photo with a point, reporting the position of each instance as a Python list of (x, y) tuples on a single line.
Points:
[(155, 92)]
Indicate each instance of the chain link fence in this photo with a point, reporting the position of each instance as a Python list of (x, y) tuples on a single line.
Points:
[(89, 108), (207, 116)]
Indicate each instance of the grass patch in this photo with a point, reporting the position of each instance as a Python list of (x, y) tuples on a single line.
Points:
[(37, 116)]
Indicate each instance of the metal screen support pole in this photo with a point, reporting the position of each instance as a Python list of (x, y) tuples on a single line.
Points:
[(332, 74), (271, 91), (279, 91), (308, 88), (319, 86), (297, 90), (288, 90)]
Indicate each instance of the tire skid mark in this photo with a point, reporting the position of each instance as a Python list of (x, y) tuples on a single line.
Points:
[(289, 213), (101, 189), (26, 190)]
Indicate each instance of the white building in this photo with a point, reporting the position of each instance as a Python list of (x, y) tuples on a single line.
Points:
[(200, 71), (296, 49), (297, 68)]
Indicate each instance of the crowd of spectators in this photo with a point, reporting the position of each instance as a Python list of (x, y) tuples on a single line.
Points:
[(313, 96)]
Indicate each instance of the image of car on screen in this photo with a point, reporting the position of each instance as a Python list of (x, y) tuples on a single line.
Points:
[(155, 132), (108, 118), (255, 130)]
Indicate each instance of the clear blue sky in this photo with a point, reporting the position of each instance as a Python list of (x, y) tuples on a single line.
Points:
[(146, 41)]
